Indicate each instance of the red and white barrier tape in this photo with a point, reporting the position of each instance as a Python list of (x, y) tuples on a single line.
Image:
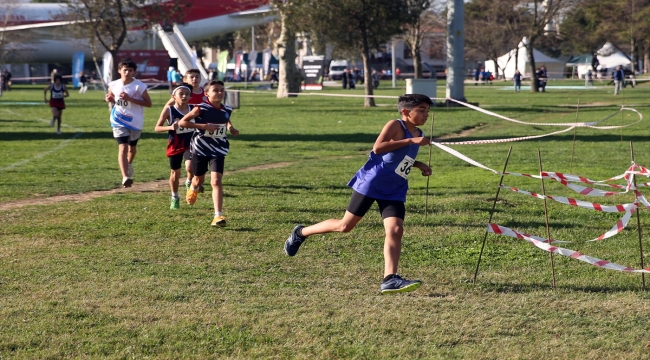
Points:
[(544, 245), (574, 202), (628, 209)]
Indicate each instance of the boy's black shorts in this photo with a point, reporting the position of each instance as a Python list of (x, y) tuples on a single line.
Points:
[(360, 204), (176, 161), (200, 164)]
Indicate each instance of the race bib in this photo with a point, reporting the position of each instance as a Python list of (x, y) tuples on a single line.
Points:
[(57, 95), (123, 103), (182, 130), (219, 133), (404, 167)]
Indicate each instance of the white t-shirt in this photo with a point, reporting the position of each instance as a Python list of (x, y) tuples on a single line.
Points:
[(126, 114)]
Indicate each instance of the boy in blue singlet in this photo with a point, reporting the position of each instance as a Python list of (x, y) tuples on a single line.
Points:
[(178, 139), (209, 145), (383, 179)]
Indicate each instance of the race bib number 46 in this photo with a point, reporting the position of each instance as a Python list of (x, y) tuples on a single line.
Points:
[(219, 133), (404, 167)]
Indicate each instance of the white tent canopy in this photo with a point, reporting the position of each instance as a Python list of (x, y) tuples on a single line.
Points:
[(609, 57), (554, 67)]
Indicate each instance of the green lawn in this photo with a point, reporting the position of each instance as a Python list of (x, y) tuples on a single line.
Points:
[(122, 276)]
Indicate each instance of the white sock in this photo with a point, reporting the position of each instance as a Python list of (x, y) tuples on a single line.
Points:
[(175, 195), (193, 188), (124, 179), (188, 181), (217, 213)]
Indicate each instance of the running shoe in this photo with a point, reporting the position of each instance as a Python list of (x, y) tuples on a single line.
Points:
[(175, 204), (52, 122), (397, 284), (201, 188), (219, 221), (58, 132), (191, 196), (294, 241), (127, 182), (129, 171)]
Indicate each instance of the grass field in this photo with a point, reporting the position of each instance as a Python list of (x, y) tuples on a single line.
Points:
[(122, 276)]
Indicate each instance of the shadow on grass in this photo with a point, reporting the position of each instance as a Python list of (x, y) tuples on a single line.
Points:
[(528, 288)]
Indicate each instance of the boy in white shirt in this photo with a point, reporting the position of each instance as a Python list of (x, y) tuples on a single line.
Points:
[(129, 97)]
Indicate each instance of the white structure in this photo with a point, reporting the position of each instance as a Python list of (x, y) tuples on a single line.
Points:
[(609, 57), (554, 67)]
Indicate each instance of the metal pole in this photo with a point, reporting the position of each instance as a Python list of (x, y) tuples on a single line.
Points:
[(392, 61), (548, 231), (494, 204), (253, 38), (426, 198), (573, 147), (638, 222)]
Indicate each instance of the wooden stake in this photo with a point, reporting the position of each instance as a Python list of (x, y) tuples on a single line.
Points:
[(494, 204), (638, 223), (426, 196), (573, 148), (548, 231)]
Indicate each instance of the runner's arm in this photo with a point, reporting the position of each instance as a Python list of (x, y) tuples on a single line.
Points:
[(164, 116)]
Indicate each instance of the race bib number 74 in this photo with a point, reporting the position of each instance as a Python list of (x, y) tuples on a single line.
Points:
[(404, 167), (219, 133)]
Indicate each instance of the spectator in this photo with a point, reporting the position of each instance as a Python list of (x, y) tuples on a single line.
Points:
[(589, 78), (619, 77), (477, 74), (542, 78), (375, 79), (6, 80), (397, 73), (210, 74), (351, 79), (517, 80), (176, 77), (170, 78), (358, 75), (84, 83), (344, 78)]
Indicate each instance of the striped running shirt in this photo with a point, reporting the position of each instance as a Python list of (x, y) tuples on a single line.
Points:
[(211, 144)]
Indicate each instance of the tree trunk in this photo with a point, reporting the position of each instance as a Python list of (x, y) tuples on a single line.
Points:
[(289, 78), (367, 71), (496, 69), (367, 82), (417, 63), (115, 71), (646, 57), (633, 54), (533, 78)]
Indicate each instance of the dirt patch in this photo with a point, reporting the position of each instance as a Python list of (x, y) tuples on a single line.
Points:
[(462, 133), (158, 185)]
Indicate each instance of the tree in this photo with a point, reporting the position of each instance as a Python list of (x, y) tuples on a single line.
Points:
[(491, 28), (107, 22), (289, 78), (591, 23), (536, 16), (358, 26), (421, 20), (10, 40)]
